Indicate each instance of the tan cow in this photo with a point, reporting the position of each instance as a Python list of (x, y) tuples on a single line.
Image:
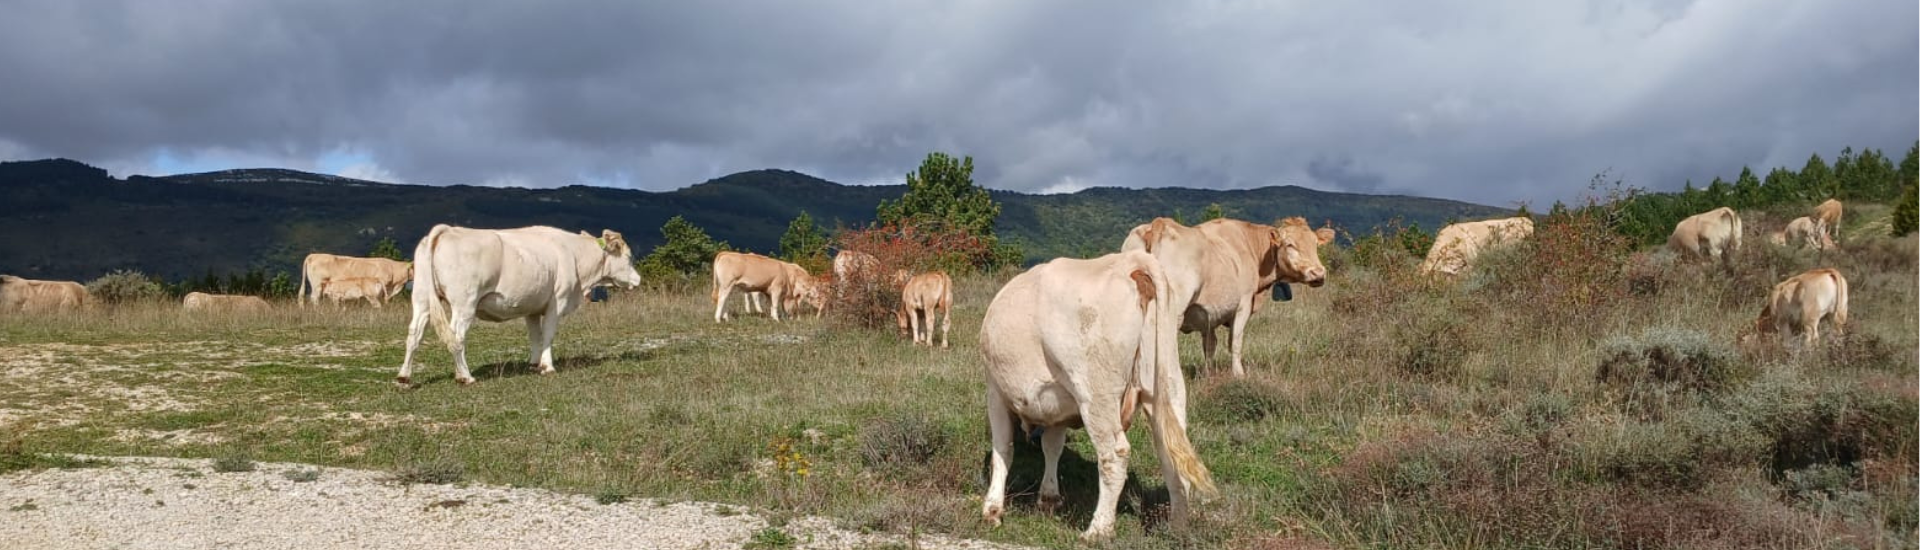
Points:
[(319, 269), (1217, 269), (537, 273), (21, 295), (1803, 232), (371, 289), (924, 296), (1712, 235), (231, 303), (1088, 343), (1798, 304), (1828, 213), (1455, 247), (785, 283)]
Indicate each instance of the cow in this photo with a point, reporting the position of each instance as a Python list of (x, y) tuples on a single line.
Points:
[(201, 301), (1088, 343), (1828, 213), (1455, 247), (1219, 267), (924, 296), (1798, 304), (22, 295), (371, 289), (1711, 235), (537, 273), (318, 269), (784, 282), (1803, 232)]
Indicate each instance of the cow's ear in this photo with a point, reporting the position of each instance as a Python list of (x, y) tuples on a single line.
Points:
[(1325, 234), (612, 242)]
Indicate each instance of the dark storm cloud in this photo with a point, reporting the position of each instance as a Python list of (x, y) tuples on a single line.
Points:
[(1492, 102)]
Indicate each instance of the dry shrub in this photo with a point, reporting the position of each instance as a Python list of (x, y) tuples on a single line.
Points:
[(1860, 350), (1834, 423), (906, 441), (125, 287), (1573, 269), (1240, 400), (1665, 355), (870, 299)]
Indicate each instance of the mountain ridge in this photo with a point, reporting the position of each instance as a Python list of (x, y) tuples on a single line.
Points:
[(70, 220)]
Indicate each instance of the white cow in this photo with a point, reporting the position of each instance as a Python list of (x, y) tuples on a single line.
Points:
[(537, 273), (1076, 343)]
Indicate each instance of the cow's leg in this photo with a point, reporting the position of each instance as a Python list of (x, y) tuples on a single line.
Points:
[(462, 319), (720, 302), (1237, 333), (1176, 487), (415, 330), (1208, 341), (549, 325), (533, 341), (946, 324), (778, 295), (1051, 443), (1000, 427), (913, 320), (375, 303), (1111, 449)]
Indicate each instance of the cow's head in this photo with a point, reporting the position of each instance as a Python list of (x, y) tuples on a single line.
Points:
[(619, 259), (1296, 250)]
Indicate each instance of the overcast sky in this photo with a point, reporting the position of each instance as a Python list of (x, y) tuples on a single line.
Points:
[(1486, 101)]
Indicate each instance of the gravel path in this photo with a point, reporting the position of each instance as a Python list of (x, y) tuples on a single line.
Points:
[(159, 503)]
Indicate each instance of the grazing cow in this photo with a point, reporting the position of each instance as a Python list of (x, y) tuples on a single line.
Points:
[(201, 301), (784, 282), (1217, 269), (1829, 215), (1455, 247), (926, 295), (1803, 232), (1712, 235), (852, 265), (537, 273), (371, 289), (319, 269), (1088, 343), (1797, 305), (20, 295)]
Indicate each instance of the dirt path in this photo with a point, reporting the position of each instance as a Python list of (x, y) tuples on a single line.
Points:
[(159, 503)]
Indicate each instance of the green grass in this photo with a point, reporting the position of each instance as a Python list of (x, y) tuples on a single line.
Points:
[(1498, 434)]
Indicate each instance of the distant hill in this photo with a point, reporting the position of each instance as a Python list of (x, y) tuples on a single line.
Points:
[(67, 220)]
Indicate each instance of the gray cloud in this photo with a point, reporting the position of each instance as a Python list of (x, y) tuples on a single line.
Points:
[(1491, 102)]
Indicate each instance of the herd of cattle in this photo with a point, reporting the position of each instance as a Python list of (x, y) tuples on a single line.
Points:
[(1070, 343)]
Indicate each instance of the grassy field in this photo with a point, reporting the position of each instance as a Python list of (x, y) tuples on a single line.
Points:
[(1565, 397)]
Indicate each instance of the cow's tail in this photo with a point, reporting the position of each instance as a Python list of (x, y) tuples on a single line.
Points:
[(1839, 301), (300, 294), (1734, 220), (426, 288), (1163, 352)]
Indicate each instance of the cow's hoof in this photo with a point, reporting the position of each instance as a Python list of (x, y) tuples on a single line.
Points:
[(464, 381), (992, 515), (548, 370), (1048, 503), (404, 382)]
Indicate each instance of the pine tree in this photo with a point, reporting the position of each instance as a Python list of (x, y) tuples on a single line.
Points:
[(1213, 212), (386, 248), (1746, 189), (942, 194), (1816, 178), (1906, 213), (804, 243), (687, 249)]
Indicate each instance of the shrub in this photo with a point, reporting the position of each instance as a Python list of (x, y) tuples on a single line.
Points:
[(439, 472), (771, 538), (229, 464), (301, 476), (870, 299), (907, 440), (610, 496), (1665, 355), (1835, 423), (125, 286), (1240, 400)]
